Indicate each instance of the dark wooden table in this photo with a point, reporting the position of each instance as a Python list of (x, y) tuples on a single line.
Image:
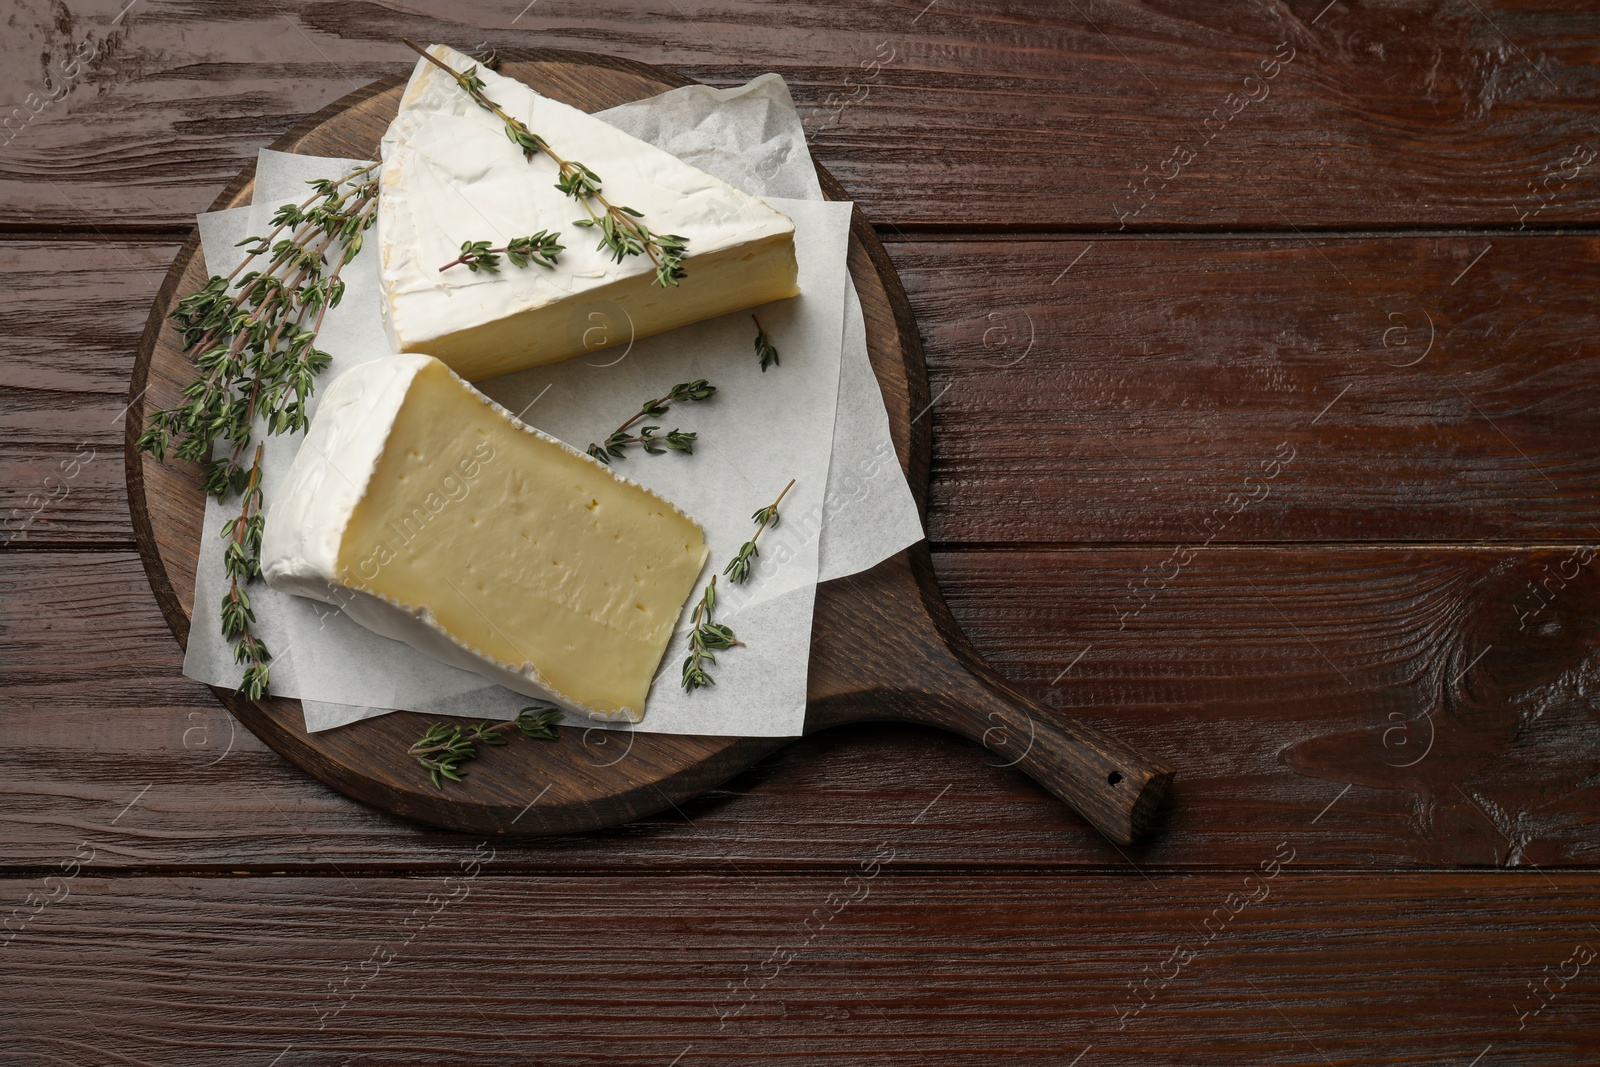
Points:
[(1263, 338)]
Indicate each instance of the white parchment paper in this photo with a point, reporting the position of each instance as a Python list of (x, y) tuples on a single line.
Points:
[(751, 137)]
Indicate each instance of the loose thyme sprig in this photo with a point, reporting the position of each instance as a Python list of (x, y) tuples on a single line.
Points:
[(767, 354), (241, 561), (252, 336), (542, 248), (738, 568), (621, 231), (705, 641), (446, 746), (708, 637), (675, 440)]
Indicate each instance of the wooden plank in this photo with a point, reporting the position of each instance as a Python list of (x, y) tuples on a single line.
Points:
[(75, 309), (1271, 966), (1272, 678), (1092, 116), (1242, 391), (1425, 388), (1452, 680)]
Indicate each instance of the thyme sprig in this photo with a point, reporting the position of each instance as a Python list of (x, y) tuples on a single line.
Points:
[(705, 641), (616, 444), (252, 335), (541, 248), (765, 352), (241, 561), (709, 637), (738, 568), (446, 746), (622, 231)]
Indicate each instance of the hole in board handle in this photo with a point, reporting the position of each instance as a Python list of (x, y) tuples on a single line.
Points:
[(1114, 778)]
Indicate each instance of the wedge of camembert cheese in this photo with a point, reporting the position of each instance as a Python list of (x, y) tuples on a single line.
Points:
[(433, 516), (451, 175)]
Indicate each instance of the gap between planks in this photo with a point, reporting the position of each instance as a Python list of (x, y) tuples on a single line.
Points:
[(922, 232), (820, 870), (956, 547)]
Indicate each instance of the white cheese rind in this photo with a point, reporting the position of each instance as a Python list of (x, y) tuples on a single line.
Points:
[(309, 513), (334, 473), (450, 175)]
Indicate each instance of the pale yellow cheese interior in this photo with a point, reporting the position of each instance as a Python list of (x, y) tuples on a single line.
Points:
[(626, 310), (520, 548)]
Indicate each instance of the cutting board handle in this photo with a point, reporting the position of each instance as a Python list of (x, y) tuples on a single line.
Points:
[(1112, 785), (1116, 788), (924, 670)]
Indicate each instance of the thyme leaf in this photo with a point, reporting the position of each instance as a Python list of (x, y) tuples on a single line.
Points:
[(765, 352)]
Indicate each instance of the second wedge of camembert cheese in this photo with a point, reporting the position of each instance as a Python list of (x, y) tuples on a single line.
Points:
[(432, 516), (450, 175)]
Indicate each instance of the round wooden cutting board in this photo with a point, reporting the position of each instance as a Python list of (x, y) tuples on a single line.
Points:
[(883, 644)]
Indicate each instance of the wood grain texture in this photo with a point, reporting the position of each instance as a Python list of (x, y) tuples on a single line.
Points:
[(1243, 391), (1437, 388), (72, 314), (1291, 680), (1275, 678), (473, 967), (996, 114)]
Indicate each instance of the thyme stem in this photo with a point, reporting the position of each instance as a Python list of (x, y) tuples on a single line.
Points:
[(738, 568), (707, 637), (541, 248), (616, 443), (765, 352), (422, 750), (445, 746)]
